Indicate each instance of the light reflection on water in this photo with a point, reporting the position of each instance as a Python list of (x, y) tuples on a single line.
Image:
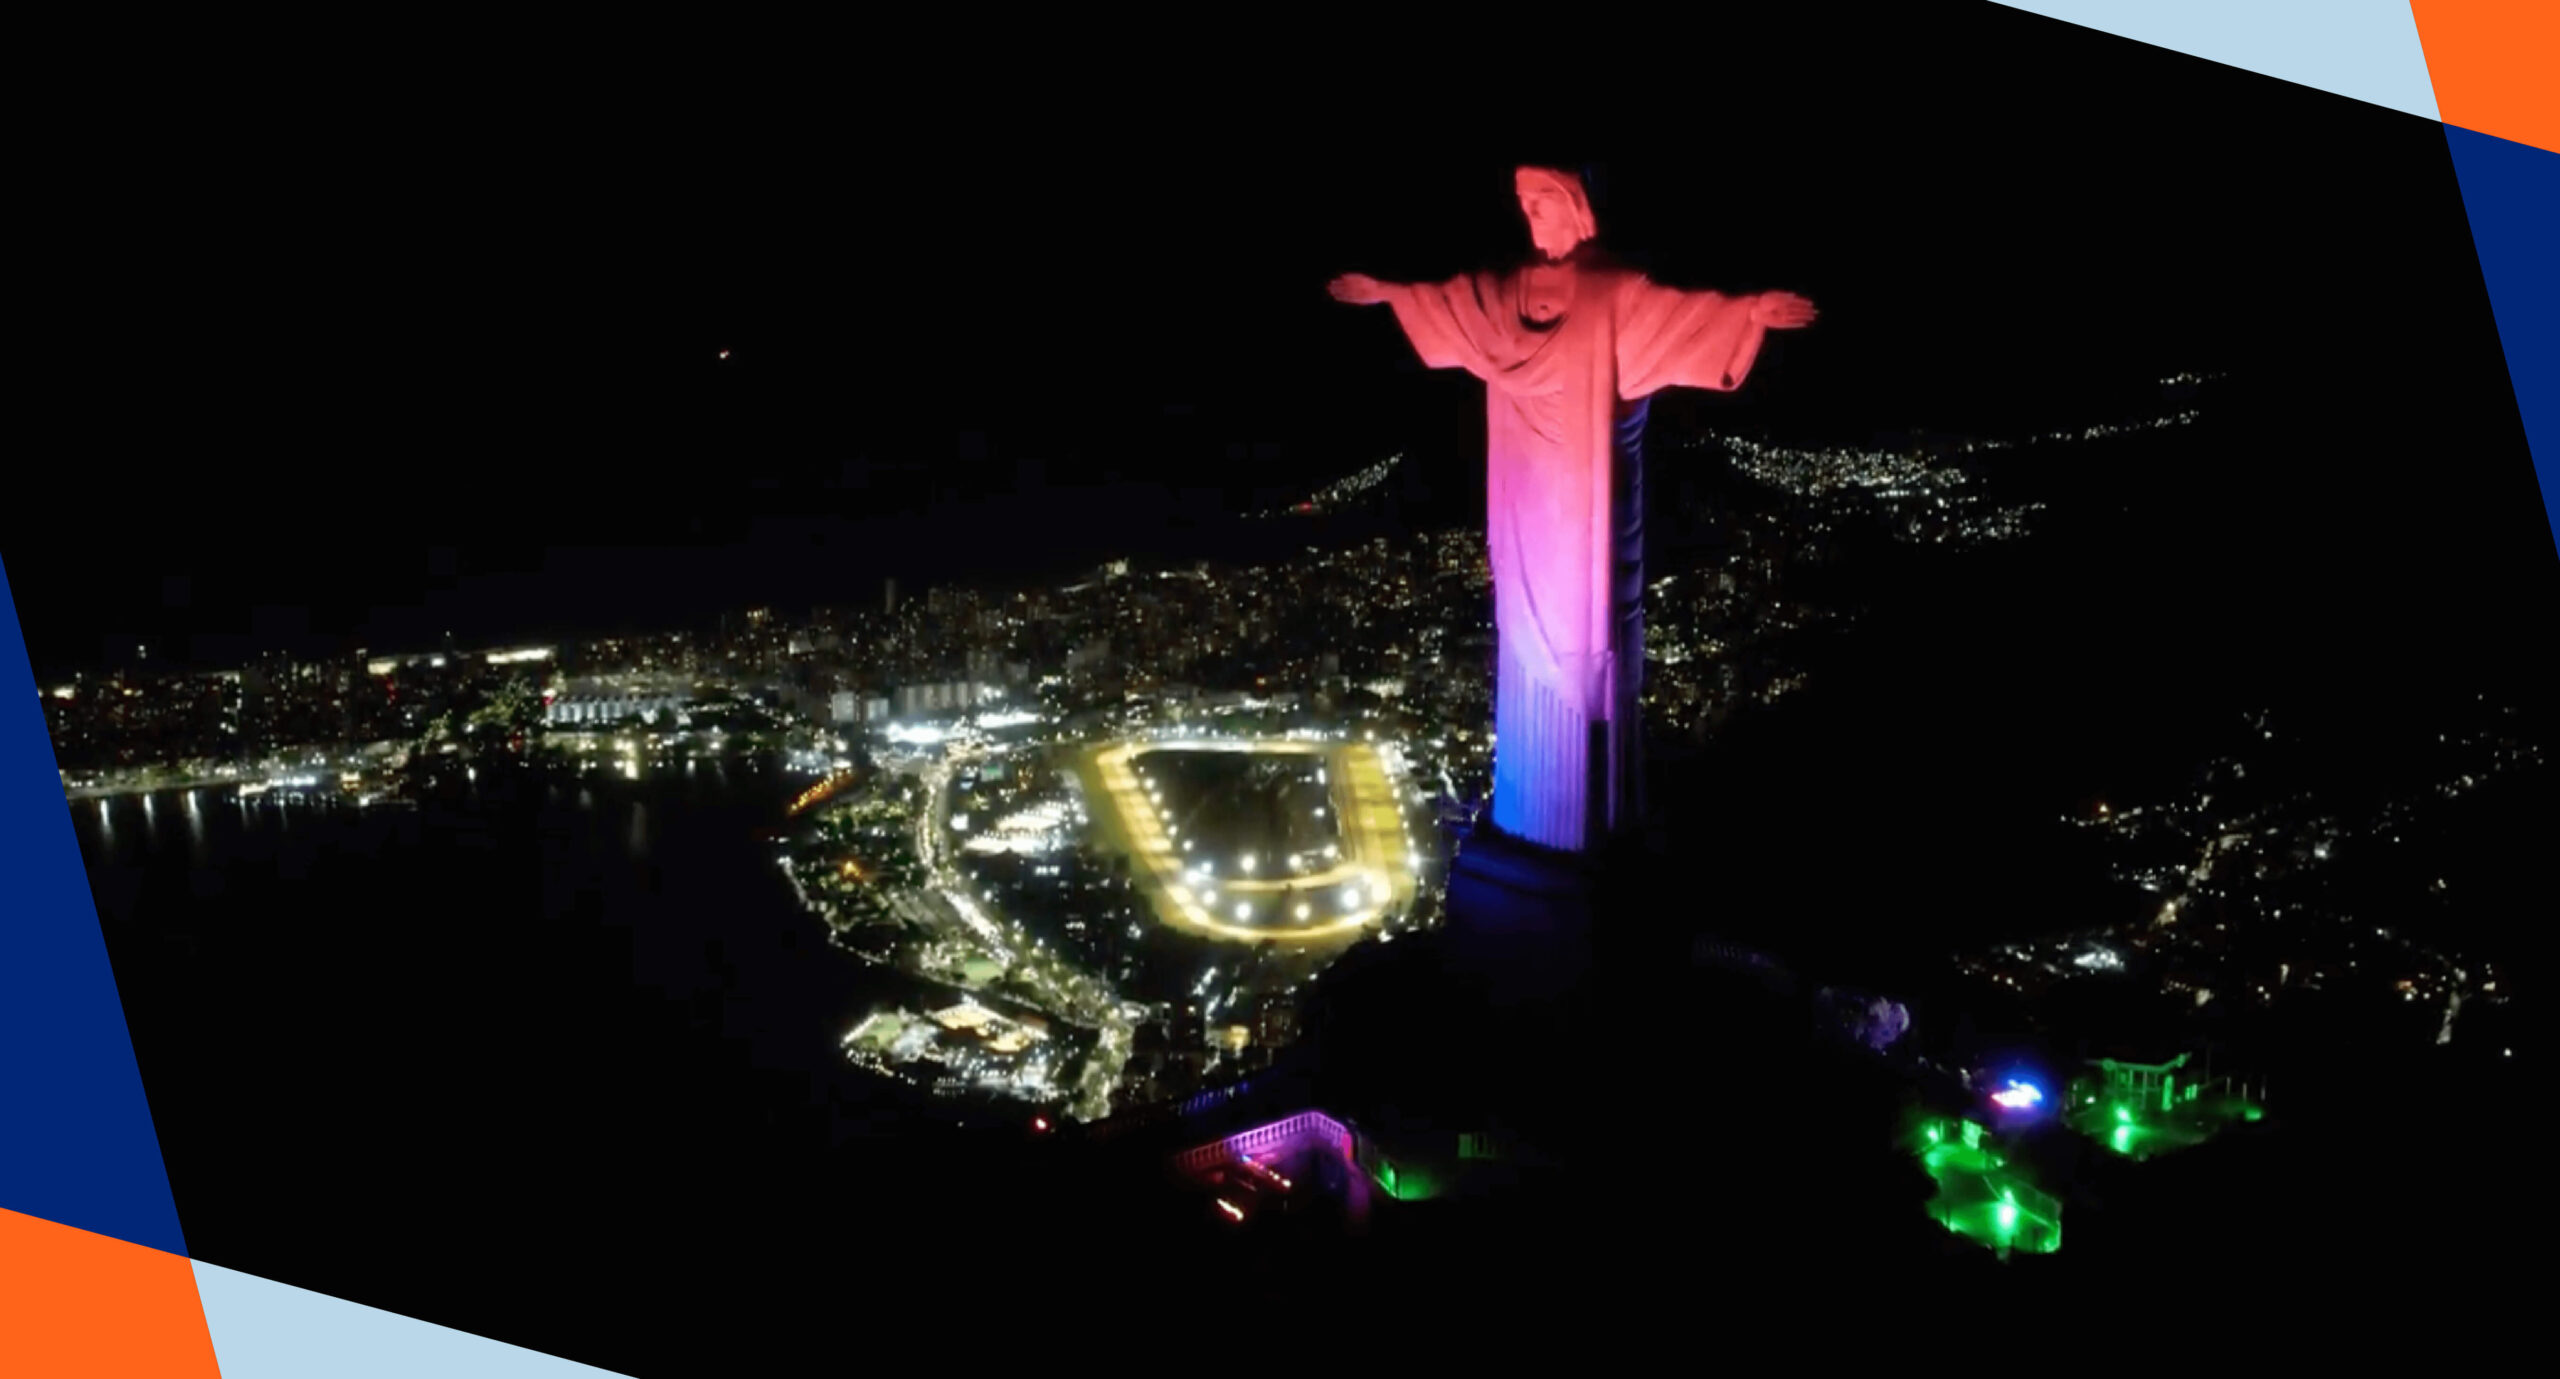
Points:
[(664, 887), (121, 829)]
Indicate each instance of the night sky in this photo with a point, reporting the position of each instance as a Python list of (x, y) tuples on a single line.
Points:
[(358, 376)]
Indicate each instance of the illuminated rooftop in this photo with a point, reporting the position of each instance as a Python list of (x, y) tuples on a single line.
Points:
[(2144, 1110), (1268, 1166), (1981, 1195)]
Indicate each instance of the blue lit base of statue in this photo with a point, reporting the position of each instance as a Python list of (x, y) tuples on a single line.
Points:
[(1509, 883), (1520, 919)]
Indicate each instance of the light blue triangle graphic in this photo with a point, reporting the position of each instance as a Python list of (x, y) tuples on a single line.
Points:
[(267, 1330), (2367, 50)]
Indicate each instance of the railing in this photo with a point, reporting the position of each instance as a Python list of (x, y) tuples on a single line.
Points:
[(1163, 1112), (1214, 1097), (1292, 1132)]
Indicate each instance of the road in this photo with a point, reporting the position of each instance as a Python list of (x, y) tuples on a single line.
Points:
[(933, 849), (2198, 876), (1100, 1076), (1050, 977), (210, 781)]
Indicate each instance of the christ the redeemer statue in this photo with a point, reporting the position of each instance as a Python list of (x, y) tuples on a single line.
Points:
[(1571, 346)]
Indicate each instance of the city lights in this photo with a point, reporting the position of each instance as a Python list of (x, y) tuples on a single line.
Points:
[(1349, 689), (1926, 488), (1341, 491), (2262, 861)]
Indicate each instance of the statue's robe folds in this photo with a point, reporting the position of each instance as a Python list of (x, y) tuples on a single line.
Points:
[(1570, 354)]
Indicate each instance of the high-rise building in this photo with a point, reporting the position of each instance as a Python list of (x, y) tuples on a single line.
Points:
[(943, 697), (1092, 654)]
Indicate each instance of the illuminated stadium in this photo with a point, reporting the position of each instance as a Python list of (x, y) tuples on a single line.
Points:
[(1259, 840)]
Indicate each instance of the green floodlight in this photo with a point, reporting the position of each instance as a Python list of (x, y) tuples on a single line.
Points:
[(1988, 1214)]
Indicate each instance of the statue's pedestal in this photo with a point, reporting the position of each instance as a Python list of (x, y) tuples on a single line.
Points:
[(1520, 916), (1485, 1020), (1505, 884)]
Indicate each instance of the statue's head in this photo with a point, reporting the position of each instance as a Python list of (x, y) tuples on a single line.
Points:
[(1558, 208)]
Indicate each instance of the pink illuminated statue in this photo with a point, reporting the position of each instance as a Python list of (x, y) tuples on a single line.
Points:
[(1571, 345)]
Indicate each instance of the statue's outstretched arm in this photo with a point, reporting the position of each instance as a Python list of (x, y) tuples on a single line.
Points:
[(1674, 338), (1359, 289), (1445, 322), (1782, 311)]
